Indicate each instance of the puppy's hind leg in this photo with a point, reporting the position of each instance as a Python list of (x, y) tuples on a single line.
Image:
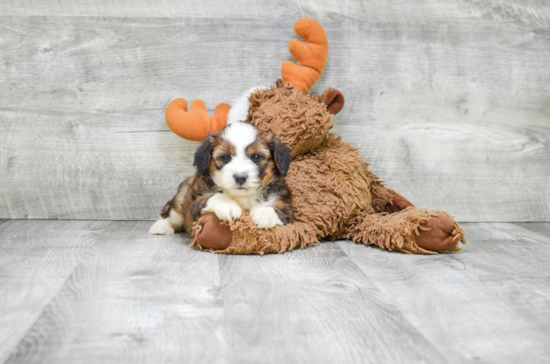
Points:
[(167, 225), (175, 215)]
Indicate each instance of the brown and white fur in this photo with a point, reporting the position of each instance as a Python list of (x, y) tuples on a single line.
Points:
[(238, 168)]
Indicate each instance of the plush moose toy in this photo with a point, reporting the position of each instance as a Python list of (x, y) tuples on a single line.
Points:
[(334, 193)]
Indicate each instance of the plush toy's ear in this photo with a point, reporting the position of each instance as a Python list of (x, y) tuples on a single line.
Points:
[(280, 153), (333, 99), (204, 154)]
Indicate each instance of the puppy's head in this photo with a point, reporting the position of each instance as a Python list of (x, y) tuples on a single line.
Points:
[(242, 159)]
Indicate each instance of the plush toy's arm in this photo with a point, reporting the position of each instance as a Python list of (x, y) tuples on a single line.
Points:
[(243, 237)]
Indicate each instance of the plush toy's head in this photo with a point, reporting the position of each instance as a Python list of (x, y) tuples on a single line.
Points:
[(289, 110), (299, 119)]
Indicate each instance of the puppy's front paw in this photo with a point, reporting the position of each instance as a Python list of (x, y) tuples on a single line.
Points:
[(228, 211), (265, 217), (225, 208), (161, 227)]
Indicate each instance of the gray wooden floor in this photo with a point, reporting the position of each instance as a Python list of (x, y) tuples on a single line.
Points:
[(105, 291)]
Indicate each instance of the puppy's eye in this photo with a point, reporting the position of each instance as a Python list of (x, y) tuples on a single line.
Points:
[(256, 157), (225, 158)]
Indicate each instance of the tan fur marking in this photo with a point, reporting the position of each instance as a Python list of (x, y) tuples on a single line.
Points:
[(224, 147), (259, 147), (221, 147), (269, 173)]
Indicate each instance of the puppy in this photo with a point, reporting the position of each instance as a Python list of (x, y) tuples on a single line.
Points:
[(238, 168)]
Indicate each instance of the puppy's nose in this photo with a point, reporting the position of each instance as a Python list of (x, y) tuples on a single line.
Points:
[(240, 178)]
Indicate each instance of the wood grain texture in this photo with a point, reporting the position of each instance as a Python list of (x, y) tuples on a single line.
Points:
[(36, 258), (449, 101), (135, 298), (534, 12), (541, 229), (313, 306), (488, 303), (89, 292)]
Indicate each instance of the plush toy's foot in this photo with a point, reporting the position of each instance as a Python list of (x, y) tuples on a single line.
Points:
[(212, 233), (443, 234), (397, 204)]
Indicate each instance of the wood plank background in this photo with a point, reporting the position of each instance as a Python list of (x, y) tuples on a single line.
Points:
[(450, 101)]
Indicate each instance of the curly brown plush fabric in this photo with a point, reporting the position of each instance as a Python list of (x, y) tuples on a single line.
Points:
[(298, 119), (397, 231), (334, 193)]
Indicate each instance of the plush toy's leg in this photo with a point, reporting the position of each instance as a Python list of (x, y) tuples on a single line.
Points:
[(243, 237), (387, 200), (410, 230), (384, 199)]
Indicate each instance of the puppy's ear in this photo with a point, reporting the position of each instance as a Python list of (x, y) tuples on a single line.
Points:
[(204, 154), (280, 153)]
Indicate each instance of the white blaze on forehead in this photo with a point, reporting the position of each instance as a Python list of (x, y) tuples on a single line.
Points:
[(241, 135)]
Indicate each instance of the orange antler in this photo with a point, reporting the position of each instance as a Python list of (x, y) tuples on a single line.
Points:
[(311, 56), (195, 124)]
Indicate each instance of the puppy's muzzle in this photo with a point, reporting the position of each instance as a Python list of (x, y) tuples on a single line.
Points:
[(240, 178)]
